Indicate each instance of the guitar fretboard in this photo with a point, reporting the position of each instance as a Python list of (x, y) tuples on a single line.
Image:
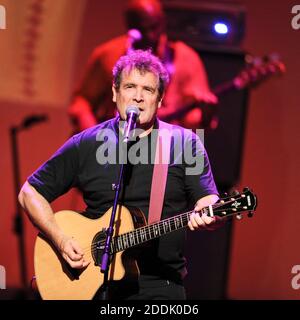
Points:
[(225, 207), (147, 233)]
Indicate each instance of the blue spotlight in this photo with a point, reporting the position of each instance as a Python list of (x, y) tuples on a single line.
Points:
[(221, 28)]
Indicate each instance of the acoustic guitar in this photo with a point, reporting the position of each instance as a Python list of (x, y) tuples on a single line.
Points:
[(57, 280)]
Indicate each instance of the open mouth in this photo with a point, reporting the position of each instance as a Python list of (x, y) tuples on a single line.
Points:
[(141, 111)]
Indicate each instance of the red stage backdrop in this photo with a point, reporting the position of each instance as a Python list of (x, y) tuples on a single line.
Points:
[(42, 53)]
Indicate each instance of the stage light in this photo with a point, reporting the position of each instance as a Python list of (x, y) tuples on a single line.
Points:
[(221, 28), (206, 24)]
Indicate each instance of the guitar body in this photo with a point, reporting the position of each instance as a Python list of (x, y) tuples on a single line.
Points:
[(56, 280)]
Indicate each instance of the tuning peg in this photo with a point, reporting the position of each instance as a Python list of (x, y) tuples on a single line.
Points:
[(257, 61), (250, 214), (249, 58), (239, 217)]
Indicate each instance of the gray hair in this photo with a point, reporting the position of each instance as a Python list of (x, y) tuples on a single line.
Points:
[(143, 61)]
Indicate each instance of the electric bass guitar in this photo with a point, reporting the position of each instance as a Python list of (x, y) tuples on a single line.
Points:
[(56, 280)]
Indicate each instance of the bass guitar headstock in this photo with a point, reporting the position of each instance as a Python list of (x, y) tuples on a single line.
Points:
[(259, 69)]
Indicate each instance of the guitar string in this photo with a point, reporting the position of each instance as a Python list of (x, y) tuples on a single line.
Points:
[(158, 225), (91, 249), (134, 232), (170, 221)]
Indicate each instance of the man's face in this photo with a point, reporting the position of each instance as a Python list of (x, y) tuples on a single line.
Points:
[(151, 27), (147, 16), (140, 90)]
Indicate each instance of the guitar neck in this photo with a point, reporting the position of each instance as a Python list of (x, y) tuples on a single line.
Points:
[(259, 70), (225, 207), (224, 87), (218, 91), (152, 231)]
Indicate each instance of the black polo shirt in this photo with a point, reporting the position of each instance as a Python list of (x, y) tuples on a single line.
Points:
[(90, 161)]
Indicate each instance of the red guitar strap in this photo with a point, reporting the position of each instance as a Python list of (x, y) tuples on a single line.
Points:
[(160, 172)]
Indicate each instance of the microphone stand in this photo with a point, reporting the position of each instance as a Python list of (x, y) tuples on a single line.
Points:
[(105, 261), (109, 233), (18, 218)]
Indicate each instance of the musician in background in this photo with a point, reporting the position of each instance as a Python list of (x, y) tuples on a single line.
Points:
[(139, 79), (91, 102)]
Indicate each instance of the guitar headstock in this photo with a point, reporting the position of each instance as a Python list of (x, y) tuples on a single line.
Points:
[(235, 205), (259, 69)]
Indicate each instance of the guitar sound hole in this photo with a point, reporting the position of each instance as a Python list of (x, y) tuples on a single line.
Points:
[(98, 242)]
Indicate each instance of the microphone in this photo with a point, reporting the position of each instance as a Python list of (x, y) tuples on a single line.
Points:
[(132, 115), (33, 119)]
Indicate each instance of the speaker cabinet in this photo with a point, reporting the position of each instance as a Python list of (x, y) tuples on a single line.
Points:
[(208, 252), (190, 21), (225, 143)]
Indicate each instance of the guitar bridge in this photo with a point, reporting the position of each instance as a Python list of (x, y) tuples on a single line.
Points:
[(72, 273)]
